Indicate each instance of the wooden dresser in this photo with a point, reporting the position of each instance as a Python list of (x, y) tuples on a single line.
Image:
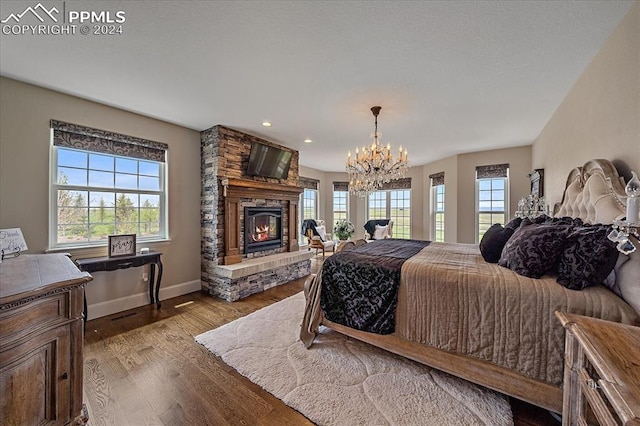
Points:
[(41, 336), (601, 373)]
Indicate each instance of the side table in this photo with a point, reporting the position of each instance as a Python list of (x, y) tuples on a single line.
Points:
[(601, 373), (151, 258)]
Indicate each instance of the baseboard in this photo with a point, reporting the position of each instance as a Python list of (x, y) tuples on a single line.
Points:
[(109, 307)]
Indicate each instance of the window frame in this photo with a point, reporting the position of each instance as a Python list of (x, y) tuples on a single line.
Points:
[(435, 211), (397, 225), (341, 195), (301, 210), (478, 212), (53, 244), (303, 207)]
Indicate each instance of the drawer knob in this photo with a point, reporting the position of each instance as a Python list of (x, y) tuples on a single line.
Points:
[(65, 376), (592, 384)]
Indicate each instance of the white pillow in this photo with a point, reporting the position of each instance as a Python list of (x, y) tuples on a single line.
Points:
[(381, 232), (628, 280), (321, 231), (611, 280)]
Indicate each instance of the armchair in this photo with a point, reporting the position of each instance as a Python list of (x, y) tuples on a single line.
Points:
[(378, 229), (317, 237)]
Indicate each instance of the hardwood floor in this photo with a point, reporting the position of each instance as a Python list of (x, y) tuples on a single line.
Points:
[(143, 367)]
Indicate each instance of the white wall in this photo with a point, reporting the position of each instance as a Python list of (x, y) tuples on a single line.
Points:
[(25, 111)]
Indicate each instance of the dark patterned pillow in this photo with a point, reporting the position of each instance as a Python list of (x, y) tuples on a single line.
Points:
[(514, 224), (534, 249), (493, 242), (588, 257)]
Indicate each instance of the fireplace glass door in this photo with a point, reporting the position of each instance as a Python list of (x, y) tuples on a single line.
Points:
[(263, 228)]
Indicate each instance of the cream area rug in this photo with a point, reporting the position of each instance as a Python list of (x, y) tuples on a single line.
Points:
[(341, 381)]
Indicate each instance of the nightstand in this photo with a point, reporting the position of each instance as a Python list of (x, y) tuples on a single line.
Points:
[(601, 373)]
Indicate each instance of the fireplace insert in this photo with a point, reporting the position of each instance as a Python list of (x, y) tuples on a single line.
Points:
[(262, 228)]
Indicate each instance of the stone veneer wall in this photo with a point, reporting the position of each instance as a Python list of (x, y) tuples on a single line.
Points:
[(225, 154), (232, 289)]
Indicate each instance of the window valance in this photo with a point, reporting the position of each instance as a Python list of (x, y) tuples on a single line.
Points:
[(340, 186), (402, 183), (308, 183), (492, 171), (437, 179), (86, 138)]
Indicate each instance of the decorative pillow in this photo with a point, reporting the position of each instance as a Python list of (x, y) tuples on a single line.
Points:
[(514, 223), (588, 257), (493, 242), (611, 280), (321, 231), (381, 232), (534, 249), (628, 280)]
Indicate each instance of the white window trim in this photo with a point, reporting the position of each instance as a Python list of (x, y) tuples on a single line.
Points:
[(333, 207), (88, 246), (434, 206), (477, 203), (388, 209)]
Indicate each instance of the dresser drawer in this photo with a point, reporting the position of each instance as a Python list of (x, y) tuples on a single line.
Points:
[(40, 314), (596, 409)]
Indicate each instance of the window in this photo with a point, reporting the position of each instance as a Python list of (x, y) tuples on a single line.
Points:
[(491, 197), (394, 205), (340, 201), (308, 201), (378, 205), (309, 204), (96, 194), (438, 212), (437, 206)]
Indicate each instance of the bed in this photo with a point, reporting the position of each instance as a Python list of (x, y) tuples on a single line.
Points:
[(474, 319)]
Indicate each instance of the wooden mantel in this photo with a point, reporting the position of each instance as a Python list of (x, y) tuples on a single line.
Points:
[(234, 190), (243, 188)]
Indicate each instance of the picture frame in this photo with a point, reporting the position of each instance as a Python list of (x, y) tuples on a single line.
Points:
[(537, 182), (122, 245)]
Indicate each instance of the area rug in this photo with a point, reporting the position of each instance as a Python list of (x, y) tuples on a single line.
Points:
[(341, 381)]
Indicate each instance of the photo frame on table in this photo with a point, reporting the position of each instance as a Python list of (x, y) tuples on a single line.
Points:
[(122, 245), (537, 182)]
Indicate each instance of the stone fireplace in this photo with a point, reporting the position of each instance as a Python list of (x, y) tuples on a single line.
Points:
[(249, 224)]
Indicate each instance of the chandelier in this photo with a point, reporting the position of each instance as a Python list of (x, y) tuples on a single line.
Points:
[(373, 166)]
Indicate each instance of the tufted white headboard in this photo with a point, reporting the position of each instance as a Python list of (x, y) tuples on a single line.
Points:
[(594, 193)]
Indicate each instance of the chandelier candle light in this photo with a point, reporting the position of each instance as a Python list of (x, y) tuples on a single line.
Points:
[(374, 165), (623, 229)]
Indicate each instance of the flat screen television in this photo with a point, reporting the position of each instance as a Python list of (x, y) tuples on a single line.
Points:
[(268, 161)]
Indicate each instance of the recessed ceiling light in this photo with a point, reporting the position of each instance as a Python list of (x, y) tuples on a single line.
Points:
[(308, 141), (266, 123)]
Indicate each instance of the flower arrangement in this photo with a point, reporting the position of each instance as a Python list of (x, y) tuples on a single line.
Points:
[(343, 229)]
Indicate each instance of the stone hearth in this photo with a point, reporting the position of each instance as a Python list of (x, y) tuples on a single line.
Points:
[(233, 282)]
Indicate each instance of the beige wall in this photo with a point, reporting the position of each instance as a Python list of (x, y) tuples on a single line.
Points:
[(460, 186), (25, 111), (449, 166), (600, 117), (519, 160), (357, 205)]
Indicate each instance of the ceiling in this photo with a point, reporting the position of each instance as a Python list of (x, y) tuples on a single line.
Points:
[(451, 76)]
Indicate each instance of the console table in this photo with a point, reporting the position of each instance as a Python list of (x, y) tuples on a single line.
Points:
[(151, 258)]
